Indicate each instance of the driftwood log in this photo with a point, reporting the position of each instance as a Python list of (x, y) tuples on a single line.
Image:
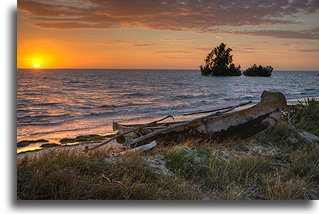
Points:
[(151, 128), (219, 109), (142, 148), (124, 133), (268, 109)]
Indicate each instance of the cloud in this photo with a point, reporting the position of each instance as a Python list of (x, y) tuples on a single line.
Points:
[(203, 49), (218, 37), (173, 52), (286, 47), (177, 40), (260, 42), (306, 34), (309, 50), (181, 58), (143, 45), (127, 43), (247, 49), (201, 16)]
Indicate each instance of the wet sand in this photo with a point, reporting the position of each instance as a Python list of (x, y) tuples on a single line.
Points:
[(110, 148)]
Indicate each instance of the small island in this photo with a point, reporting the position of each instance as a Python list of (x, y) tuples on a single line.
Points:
[(259, 71), (219, 63)]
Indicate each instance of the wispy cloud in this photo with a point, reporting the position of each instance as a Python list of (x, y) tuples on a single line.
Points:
[(127, 43), (308, 50), (247, 50), (260, 42), (305, 34), (203, 48), (191, 15), (178, 51), (181, 58), (177, 40)]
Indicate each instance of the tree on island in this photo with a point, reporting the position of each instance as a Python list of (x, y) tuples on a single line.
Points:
[(219, 63), (260, 71)]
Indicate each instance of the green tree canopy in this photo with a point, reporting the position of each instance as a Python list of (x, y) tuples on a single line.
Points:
[(219, 63), (258, 71)]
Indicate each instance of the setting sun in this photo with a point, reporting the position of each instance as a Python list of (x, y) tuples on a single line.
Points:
[(36, 65)]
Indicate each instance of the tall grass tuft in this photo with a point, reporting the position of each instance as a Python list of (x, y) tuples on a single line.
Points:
[(242, 170), (305, 162), (277, 187), (73, 176), (307, 117)]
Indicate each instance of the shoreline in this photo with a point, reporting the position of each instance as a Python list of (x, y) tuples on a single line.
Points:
[(111, 147), (33, 147), (43, 144)]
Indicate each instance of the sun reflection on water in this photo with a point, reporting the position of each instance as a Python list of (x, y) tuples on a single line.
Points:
[(31, 147)]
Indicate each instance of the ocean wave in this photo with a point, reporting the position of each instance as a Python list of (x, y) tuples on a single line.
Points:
[(22, 124), (21, 105), (186, 97), (311, 89), (137, 94), (84, 107), (245, 98), (106, 106), (308, 93), (75, 81), (182, 97), (32, 93), (44, 104), (102, 113), (23, 111), (154, 109), (40, 118)]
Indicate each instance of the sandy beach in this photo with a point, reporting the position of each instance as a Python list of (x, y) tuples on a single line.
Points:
[(110, 148)]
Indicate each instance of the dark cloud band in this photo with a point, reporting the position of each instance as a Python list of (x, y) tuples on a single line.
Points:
[(202, 16)]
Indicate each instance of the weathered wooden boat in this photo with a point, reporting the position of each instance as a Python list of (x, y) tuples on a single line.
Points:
[(242, 123)]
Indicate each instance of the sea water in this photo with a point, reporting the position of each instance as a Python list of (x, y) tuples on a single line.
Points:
[(55, 104)]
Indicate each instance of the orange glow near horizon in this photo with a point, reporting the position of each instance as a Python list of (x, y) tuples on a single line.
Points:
[(147, 48)]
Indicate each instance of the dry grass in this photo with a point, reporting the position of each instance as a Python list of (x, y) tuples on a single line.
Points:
[(69, 175), (274, 165), (307, 116), (277, 187)]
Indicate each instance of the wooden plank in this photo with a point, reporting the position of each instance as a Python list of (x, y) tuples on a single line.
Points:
[(124, 133), (220, 109)]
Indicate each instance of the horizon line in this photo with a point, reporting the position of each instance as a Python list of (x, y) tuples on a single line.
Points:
[(134, 69)]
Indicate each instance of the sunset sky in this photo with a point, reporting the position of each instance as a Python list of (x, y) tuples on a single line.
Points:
[(166, 34)]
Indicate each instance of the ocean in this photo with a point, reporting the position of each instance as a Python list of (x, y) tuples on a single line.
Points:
[(59, 103)]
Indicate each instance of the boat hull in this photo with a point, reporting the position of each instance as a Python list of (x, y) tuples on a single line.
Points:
[(243, 123)]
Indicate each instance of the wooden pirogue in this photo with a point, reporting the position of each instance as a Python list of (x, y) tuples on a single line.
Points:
[(242, 123)]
